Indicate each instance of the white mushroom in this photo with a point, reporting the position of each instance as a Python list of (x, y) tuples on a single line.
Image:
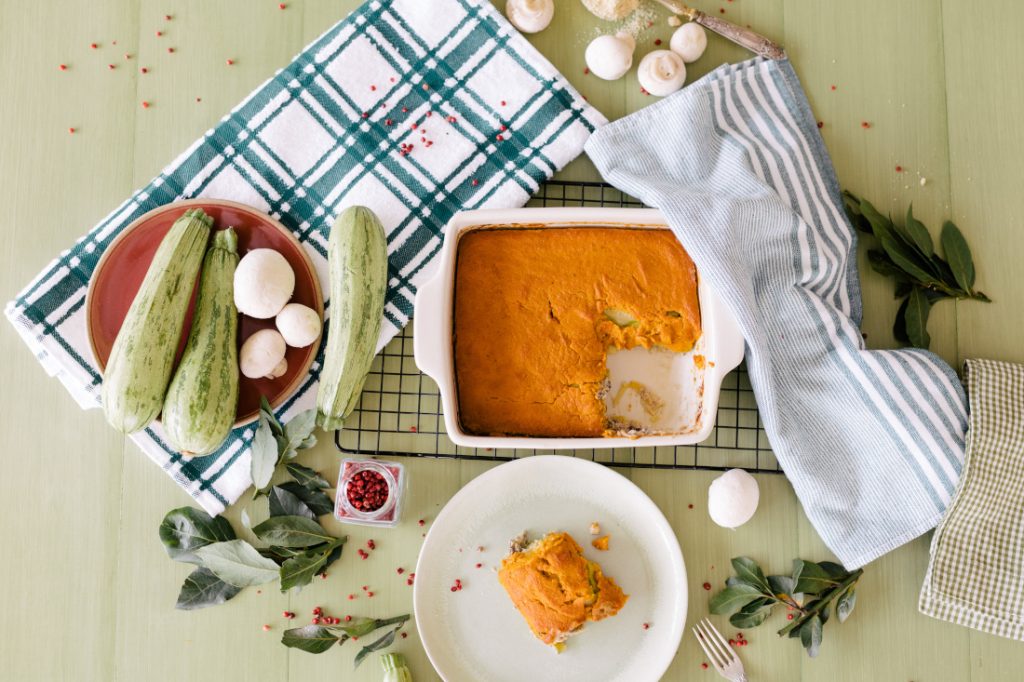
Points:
[(661, 72), (298, 324), (262, 355), (689, 42), (733, 498), (609, 57), (530, 16), (263, 283)]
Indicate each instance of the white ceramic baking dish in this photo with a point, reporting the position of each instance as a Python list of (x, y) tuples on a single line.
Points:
[(721, 343)]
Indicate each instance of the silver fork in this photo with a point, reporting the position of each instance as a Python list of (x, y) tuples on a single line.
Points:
[(725, 660)]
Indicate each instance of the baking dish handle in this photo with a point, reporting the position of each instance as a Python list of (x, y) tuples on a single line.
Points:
[(430, 340)]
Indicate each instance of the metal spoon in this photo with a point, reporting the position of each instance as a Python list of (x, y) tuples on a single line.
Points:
[(743, 37)]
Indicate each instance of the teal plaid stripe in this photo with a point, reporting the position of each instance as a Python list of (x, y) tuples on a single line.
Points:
[(326, 132)]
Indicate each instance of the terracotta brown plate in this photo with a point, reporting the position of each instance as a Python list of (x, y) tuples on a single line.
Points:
[(123, 266)]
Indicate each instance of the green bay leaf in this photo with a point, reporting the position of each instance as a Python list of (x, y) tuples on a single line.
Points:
[(186, 529), (291, 531), (237, 563), (202, 588)]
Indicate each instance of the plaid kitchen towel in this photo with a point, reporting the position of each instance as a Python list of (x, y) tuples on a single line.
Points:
[(976, 573), (872, 441), (415, 109)]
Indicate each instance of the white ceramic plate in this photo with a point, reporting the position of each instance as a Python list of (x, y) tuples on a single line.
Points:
[(476, 634)]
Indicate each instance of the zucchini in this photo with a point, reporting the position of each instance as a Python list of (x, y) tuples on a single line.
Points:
[(357, 251), (201, 402), (140, 362)]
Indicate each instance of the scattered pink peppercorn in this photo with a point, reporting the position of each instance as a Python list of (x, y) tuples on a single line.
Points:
[(789, 616), (821, 124), (646, 626), (144, 70), (230, 62), (316, 621), (689, 506), (170, 50), (707, 586), (832, 88), (404, 635), (421, 522), (454, 589), (657, 41), (323, 576), (145, 105), (63, 67), (704, 666), (504, 103), (71, 131), (586, 71), (266, 628), (317, 611), (373, 88), (899, 169), (499, 137), (159, 34), (127, 56), (348, 619), (400, 570), (479, 565), (281, 5), (288, 614), (475, 183), (732, 642), (93, 46), (351, 597), (167, 17), (111, 67), (371, 544), (369, 594), (865, 124), (721, 10)]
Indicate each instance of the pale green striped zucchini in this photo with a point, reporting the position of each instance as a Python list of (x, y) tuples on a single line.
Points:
[(139, 367), (358, 255), (200, 406)]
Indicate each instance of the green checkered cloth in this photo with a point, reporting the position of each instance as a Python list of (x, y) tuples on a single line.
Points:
[(976, 574), (416, 109)]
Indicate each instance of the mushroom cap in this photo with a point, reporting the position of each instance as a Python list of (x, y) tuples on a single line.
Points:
[(298, 324), (530, 16), (689, 41), (661, 72), (733, 498), (261, 353), (609, 57), (264, 281)]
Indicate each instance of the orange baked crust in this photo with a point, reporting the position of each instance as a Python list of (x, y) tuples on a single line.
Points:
[(531, 330), (557, 589)]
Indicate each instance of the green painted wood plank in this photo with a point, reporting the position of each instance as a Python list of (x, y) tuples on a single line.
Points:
[(896, 86), (62, 485), (986, 105)]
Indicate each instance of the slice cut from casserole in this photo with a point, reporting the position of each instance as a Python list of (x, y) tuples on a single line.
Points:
[(556, 588)]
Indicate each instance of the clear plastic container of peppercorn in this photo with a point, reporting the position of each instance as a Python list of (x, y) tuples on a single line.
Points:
[(370, 492)]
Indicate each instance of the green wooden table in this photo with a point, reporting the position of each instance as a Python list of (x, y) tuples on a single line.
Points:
[(88, 589)]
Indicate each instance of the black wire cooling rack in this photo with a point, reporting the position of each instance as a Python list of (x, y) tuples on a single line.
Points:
[(399, 414)]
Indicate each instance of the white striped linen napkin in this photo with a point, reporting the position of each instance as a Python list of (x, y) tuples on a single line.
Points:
[(872, 441), (415, 109)]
